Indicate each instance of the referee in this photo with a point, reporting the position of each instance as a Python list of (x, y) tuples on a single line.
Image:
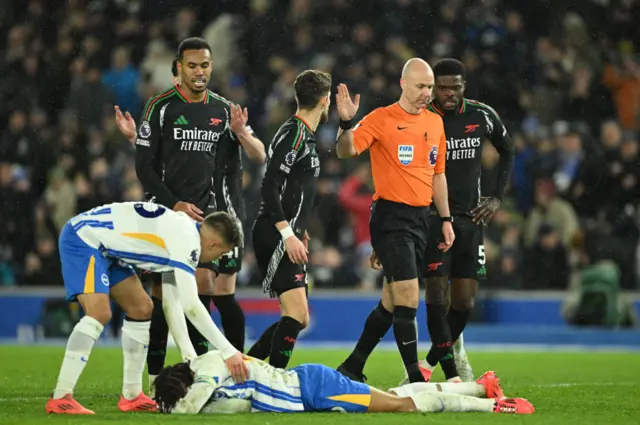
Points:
[(408, 149)]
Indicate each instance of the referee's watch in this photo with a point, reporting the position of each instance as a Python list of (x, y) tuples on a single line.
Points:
[(448, 218)]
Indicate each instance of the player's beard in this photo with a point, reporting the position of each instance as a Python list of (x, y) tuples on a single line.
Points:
[(191, 84), (455, 100), (324, 117)]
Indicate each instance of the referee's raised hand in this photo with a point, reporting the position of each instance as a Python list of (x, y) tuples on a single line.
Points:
[(347, 107), (190, 209)]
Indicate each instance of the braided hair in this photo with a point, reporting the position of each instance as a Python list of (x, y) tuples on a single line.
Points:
[(171, 385)]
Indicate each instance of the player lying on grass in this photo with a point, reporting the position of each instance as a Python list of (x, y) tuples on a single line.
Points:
[(205, 386), (98, 252)]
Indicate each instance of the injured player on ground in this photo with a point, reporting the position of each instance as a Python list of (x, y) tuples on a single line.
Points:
[(205, 386)]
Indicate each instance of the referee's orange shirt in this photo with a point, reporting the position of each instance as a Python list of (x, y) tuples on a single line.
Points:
[(406, 151)]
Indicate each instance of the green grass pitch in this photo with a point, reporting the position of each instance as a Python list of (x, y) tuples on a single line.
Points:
[(566, 388)]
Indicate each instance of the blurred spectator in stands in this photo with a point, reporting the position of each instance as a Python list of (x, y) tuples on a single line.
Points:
[(61, 198), (89, 98), (552, 210), (546, 264), (122, 78), (355, 196), (622, 77)]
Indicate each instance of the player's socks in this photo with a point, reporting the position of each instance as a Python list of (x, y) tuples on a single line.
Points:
[(261, 348), (457, 322), (84, 335), (429, 402), (158, 334), (232, 318), (471, 389), (404, 329), (284, 340), (135, 341), (441, 341), (375, 328), (199, 342)]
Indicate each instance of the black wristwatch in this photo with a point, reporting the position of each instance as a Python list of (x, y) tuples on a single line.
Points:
[(449, 219)]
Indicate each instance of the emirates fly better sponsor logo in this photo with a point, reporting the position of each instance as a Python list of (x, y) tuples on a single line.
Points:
[(463, 148), (196, 139)]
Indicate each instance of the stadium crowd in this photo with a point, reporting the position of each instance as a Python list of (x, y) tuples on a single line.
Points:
[(569, 94)]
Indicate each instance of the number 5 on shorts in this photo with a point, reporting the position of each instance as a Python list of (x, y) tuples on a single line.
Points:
[(481, 256)]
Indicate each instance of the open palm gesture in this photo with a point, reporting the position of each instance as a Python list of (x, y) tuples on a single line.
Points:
[(126, 124), (239, 118), (347, 107)]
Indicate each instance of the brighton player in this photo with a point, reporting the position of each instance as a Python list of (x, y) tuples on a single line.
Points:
[(204, 386), (98, 250)]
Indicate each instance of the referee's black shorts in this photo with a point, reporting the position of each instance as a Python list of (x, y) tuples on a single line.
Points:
[(399, 234)]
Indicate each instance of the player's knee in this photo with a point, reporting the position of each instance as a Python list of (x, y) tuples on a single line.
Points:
[(224, 284), (141, 309), (204, 279), (405, 293), (463, 304), (437, 291), (96, 306), (102, 315), (144, 309)]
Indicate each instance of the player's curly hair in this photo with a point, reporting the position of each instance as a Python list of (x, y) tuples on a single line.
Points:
[(310, 86), (449, 67), (171, 385)]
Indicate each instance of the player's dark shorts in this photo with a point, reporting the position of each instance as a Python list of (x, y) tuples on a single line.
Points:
[(399, 235), (465, 259), (231, 262), (279, 273)]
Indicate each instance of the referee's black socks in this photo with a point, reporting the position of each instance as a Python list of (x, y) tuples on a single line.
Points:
[(232, 318), (404, 328), (284, 340), (441, 340), (158, 333), (375, 328)]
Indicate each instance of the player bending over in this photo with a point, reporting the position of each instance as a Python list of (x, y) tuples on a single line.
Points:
[(204, 386), (98, 250)]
